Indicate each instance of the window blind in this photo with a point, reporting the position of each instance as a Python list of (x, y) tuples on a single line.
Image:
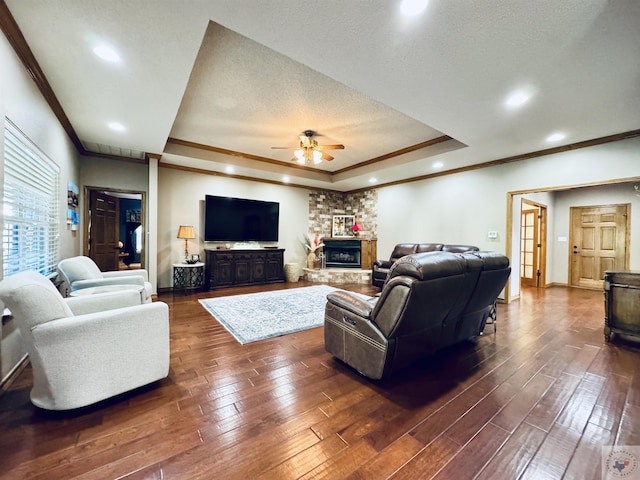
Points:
[(30, 236)]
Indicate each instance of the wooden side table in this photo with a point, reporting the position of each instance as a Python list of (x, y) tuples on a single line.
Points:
[(187, 276)]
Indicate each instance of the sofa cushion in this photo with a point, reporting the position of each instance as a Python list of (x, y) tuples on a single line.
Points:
[(428, 247), (427, 265), (380, 268), (459, 248), (402, 249)]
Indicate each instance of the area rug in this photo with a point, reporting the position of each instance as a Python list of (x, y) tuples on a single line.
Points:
[(256, 316)]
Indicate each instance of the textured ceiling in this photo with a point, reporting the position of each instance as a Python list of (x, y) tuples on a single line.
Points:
[(232, 78)]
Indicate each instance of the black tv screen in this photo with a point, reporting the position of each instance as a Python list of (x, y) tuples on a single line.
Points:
[(228, 219)]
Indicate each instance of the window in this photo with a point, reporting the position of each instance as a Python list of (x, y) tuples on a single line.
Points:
[(30, 206)]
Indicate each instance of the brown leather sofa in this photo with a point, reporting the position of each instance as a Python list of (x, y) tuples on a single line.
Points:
[(380, 268), (431, 301)]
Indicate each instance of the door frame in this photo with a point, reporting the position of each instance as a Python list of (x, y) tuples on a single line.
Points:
[(510, 212), (117, 192), (542, 238)]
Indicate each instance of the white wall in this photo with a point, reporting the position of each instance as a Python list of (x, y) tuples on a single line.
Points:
[(181, 202), (116, 174), (23, 104), (463, 207), (459, 209)]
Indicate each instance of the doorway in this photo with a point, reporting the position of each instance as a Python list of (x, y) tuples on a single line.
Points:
[(533, 244), (114, 226), (599, 242)]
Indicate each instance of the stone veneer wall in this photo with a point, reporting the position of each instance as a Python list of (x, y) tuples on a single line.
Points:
[(324, 205)]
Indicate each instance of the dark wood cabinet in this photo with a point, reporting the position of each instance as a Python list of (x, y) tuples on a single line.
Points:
[(621, 303), (225, 268)]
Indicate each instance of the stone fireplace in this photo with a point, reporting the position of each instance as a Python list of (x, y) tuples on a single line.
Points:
[(347, 260)]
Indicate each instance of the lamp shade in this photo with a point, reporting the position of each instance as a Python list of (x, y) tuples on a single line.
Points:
[(186, 231)]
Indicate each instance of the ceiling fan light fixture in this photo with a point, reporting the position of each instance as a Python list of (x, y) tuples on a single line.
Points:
[(310, 152)]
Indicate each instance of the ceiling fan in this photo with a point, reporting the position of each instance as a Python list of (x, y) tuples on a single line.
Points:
[(309, 149)]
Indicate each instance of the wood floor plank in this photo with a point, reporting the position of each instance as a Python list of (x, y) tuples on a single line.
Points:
[(465, 464), (610, 404), (553, 456), (535, 399), (544, 413), (429, 461), (515, 411), (343, 464), (305, 461), (514, 456), (628, 429), (386, 462), (475, 420), (585, 463)]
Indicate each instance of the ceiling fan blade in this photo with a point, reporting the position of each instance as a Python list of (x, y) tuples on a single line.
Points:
[(330, 147), (326, 156), (282, 148)]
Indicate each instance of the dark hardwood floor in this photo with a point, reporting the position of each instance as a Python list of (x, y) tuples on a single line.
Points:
[(535, 400)]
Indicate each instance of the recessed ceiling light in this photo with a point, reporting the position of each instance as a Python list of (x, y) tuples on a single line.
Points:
[(556, 137), (286, 179), (117, 126), (411, 8), (106, 53), (438, 165), (517, 99), (373, 180), (229, 169)]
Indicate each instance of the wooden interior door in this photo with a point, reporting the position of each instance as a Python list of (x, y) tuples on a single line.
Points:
[(103, 230), (599, 241), (529, 248), (533, 244)]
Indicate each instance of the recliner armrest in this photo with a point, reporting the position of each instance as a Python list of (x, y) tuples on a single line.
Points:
[(382, 264), (103, 301), (100, 282), (361, 306), (127, 273)]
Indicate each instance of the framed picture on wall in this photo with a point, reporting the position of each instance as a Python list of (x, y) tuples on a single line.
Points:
[(343, 225)]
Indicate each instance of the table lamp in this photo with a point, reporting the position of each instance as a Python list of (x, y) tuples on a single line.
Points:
[(186, 232)]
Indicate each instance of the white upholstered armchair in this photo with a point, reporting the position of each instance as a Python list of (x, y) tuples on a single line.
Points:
[(86, 349), (82, 272)]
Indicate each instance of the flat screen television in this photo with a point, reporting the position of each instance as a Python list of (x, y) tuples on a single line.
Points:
[(228, 219)]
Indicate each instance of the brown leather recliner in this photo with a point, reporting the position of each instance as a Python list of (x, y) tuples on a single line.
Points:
[(380, 268), (430, 301)]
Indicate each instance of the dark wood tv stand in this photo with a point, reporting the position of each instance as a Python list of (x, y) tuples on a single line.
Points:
[(230, 268)]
